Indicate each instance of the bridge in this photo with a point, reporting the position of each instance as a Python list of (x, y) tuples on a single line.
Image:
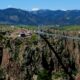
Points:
[(57, 35)]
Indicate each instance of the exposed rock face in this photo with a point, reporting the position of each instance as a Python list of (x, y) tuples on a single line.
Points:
[(6, 57), (23, 59), (1, 54)]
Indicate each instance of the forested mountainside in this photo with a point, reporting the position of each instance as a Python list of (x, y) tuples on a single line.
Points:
[(39, 17)]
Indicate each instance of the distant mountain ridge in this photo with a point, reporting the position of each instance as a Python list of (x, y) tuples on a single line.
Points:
[(39, 17)]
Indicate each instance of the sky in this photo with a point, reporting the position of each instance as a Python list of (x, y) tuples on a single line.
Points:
[(41, 4)]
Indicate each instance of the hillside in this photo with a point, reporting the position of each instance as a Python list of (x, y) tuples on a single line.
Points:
[(39, 17)]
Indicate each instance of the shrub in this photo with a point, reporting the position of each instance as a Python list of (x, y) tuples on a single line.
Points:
[(44, 75), (2, 75)]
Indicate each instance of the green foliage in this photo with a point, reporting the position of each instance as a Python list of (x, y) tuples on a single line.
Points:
[(16, 53), (70, 28), (18, 42), (34, 37), (44, 75), (62, 74), (1, 37), (2, 75), (28, 27), (59, 74)]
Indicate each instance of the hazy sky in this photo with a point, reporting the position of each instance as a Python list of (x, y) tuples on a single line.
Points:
[(41, 4)]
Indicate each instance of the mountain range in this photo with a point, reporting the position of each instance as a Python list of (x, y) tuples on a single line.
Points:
[(39, 17)]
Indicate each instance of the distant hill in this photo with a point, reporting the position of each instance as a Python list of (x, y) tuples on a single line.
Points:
[(40, 17)]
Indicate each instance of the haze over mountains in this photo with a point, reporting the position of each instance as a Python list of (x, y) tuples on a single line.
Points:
[(39, 17)]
